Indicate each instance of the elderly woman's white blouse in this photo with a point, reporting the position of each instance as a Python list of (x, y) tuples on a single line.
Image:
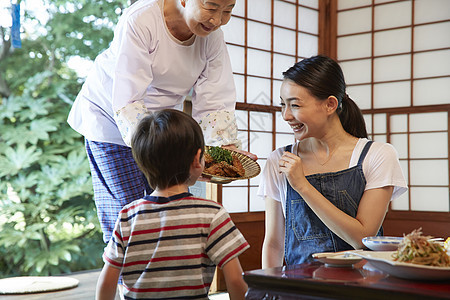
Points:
[(146, 69)]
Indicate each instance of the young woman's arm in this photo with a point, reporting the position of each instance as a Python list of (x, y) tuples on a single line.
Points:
[(236, 286), (273, 246), (107, 283), (369, 218)]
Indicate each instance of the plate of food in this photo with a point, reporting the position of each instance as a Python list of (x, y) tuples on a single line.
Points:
[(224, 165), (418, 257), (382, 243), (337, 259)]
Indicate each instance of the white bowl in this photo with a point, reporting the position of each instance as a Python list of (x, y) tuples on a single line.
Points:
[(382, 243)]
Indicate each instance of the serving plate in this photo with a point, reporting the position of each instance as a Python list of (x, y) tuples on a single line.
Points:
[(337, 259), (383, 260), (36, 284), (251, 168), (382, 243)]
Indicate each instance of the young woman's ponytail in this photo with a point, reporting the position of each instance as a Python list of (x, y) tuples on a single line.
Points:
[(351, 118)]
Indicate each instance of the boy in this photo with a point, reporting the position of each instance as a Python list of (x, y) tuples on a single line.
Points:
[(168, 244)]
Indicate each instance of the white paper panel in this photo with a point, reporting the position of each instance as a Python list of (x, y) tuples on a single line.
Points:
[(392, 68), (361, 94), (401, 203), (348, 19), (243, 137), (276, 92), (239, 9), (399, 123), (344, 4), (258, 63), (241, 119), (256, 203), (379, 121), (283, 140), (380, 138), (358, 71), (431, 91), (239, 83), (260, 121), (429, 121), (284, 40), (258, 90), (433, 36), (308, 45), (429, 172), (261, 143), (435, 63), (281, 63), (382, 1), (281, 125), (255, 32), (235, 199), (237, 55), (234, 31), (430, 199), (400, 143), (393, 15), (310, 3), (392, 41), (284, 14), (429, 145), (308, 20), (394, 94), (354, 46), (368, 121), (431, 10), (260, 10)]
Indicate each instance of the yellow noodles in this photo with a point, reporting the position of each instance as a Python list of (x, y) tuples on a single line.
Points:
[(417, 249)]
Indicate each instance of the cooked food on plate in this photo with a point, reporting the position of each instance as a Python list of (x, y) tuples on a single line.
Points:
[(418, 249), (220, 162)]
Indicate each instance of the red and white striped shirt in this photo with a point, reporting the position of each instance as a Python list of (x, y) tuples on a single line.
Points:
[(169, 247)]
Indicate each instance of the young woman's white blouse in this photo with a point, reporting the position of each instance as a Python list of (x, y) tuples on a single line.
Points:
[(381, 168), (146, 69)]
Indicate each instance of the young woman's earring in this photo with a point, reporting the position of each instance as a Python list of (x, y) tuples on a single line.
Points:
[(183, 3)]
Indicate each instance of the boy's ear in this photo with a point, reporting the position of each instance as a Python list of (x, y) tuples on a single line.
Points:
[(197, 163)]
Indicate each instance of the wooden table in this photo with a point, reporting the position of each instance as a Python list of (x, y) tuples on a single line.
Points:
[(317, 281)]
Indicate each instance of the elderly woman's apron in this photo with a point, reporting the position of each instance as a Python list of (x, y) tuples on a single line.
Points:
[(305, 232)]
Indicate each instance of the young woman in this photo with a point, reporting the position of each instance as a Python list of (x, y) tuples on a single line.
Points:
[(161, 51), (333, 186)]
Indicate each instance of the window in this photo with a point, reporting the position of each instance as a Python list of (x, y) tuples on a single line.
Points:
[(265, 38), (396, 58)]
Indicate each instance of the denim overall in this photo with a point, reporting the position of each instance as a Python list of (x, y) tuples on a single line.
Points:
[(305, 232)]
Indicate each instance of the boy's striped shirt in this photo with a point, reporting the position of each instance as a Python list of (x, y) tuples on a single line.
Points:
[(169, 247)]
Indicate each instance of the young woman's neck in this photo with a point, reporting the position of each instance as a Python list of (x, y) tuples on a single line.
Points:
[(170, 191)]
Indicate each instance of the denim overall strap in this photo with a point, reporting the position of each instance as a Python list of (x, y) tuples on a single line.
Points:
[(305, 233)]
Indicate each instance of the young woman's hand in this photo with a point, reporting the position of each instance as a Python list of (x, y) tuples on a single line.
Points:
[(291, 165)]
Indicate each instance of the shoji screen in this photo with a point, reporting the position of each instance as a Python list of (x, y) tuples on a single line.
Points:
[(264, 37), (396, 58)]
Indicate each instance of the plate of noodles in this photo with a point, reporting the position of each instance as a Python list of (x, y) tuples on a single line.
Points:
[(416, 258), (224, 165)]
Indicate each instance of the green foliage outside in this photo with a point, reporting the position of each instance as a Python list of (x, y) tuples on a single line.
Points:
[(48, 222)]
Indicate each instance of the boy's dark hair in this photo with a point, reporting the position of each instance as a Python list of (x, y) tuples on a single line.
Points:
[(164, 146), (323, 77)]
